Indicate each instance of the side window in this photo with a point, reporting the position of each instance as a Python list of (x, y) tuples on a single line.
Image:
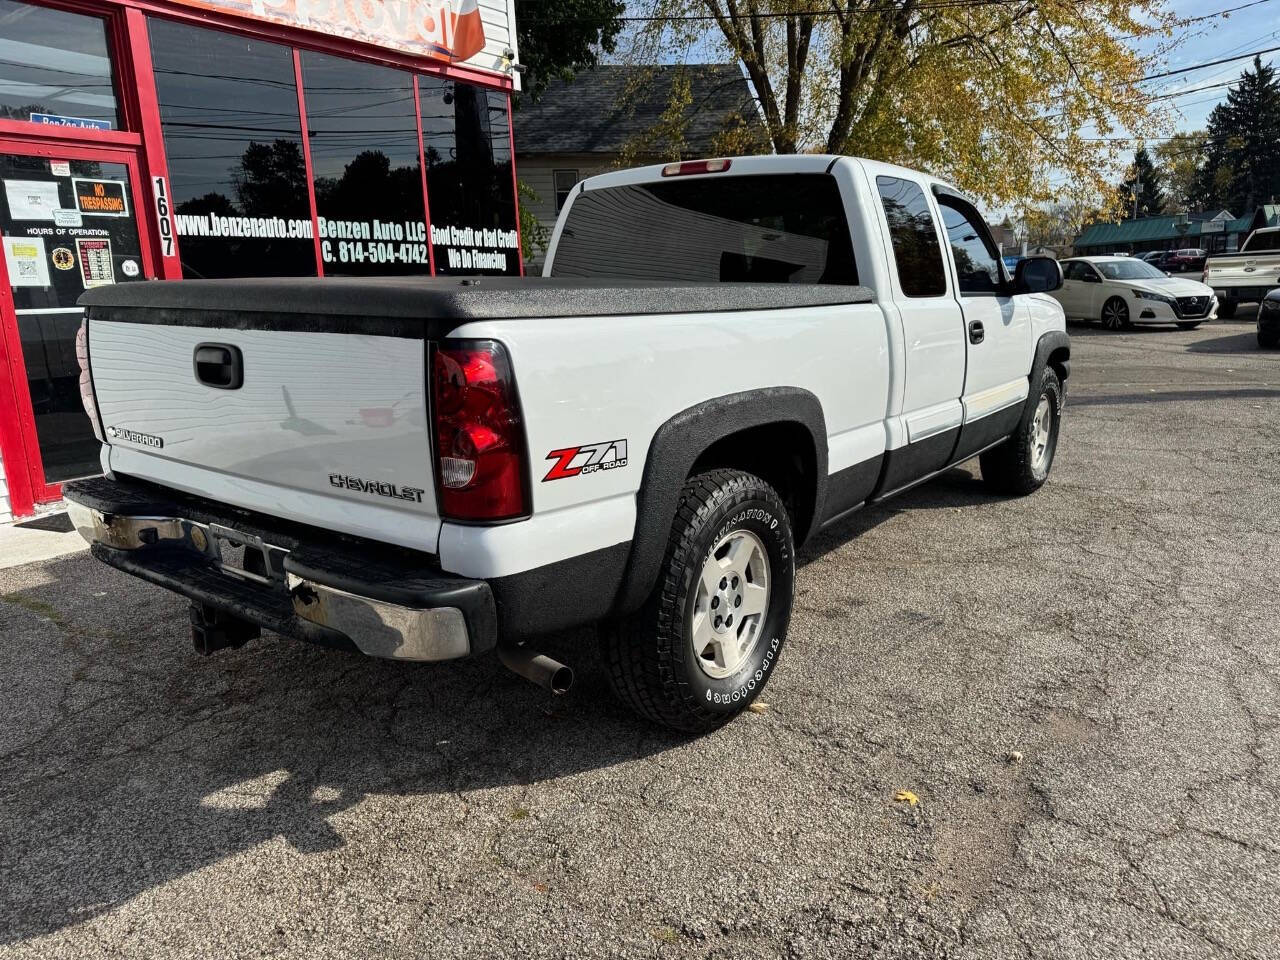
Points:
[(977, 266), (1074, 271), (1263, 241), (470, 193), (237, 178), (915, 239)]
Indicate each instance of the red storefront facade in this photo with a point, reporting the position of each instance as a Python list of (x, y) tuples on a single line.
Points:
[(174, 140)]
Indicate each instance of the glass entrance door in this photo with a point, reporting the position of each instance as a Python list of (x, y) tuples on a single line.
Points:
[(68, 223)]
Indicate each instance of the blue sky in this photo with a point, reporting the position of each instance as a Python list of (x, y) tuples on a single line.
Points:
[(1253, 29)]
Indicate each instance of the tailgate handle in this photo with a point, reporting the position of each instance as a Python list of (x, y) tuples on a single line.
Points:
[(219, 365)]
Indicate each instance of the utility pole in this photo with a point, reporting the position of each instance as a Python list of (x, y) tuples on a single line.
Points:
[(1137, 188)]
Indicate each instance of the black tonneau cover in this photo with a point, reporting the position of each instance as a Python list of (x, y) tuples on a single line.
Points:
[(431, 306)]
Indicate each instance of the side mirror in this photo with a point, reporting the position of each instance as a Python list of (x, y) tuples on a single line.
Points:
[(1037, 275)]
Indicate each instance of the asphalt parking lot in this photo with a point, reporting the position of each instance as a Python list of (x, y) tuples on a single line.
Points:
[(1082, 688)]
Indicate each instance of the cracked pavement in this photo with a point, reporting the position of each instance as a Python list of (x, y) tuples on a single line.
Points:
[(1082, 688)]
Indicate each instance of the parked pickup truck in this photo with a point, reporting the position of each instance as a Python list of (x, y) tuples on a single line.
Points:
[(1247, 276), (722, 358)]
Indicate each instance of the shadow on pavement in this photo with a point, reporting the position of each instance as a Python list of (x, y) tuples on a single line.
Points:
[(129, 760), (1246, 342), (957, 487)]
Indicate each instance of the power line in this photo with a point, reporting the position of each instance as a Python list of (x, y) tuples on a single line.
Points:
[(771, 15), (1211, 63), (830, 12)]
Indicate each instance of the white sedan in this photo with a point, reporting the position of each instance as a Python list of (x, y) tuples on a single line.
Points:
[(1122, 291)]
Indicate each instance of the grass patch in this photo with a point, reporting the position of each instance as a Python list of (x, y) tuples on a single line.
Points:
[(666, 934), (39, 607)]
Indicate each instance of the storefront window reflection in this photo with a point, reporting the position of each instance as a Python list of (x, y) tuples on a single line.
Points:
[(229, 109), (466, 141), (364, 157), (55, 68)]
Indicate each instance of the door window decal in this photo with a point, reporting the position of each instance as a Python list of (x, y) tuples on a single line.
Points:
[(95, 262), (101, 198)]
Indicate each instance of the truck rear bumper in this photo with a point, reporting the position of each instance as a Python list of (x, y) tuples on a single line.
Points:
[(302, 583), (1242, 294)]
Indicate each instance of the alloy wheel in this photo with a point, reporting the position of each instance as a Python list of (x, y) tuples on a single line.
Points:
[(1042, 435), (1115, 315), (730, 605)]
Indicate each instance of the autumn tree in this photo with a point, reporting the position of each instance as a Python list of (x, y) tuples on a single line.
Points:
[(1059, 223), (993, 95), (1178, 159)]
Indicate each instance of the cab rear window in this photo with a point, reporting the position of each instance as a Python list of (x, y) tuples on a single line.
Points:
[(776, 228), (1263, 241)]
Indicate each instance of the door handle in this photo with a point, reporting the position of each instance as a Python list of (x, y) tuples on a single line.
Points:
[(976, 332), (219, 365)]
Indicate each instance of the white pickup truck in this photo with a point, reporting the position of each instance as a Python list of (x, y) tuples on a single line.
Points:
[(1247, 276), (723, 357)]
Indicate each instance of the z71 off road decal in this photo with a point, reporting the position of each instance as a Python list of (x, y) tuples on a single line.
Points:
[(587, 458)]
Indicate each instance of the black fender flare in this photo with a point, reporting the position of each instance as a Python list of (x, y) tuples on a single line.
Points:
[(1046, 345), (675, 448)]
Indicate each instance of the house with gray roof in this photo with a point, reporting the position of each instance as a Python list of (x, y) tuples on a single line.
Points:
[(616, 116)]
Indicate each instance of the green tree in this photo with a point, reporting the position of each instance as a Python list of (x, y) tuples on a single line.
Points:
[(1178, 160), (994, 95), (1142, 191), (1241, 166), (558, 38)]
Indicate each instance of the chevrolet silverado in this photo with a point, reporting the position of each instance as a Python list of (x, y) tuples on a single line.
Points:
[(722, 358)]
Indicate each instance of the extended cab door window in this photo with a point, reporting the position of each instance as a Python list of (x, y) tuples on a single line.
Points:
[(915, 239)]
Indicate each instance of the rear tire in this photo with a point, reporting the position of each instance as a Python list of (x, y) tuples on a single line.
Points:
[(682, 660), (1227, 309), (1022, 463), (1115, 314), (1269, 339)]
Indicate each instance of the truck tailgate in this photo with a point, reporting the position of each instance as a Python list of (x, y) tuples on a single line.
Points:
[(325, 428)]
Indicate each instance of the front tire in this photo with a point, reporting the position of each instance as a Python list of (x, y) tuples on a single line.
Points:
[(1115, 314), (1188, 326), (1022, 463), (1269, 339), (705, 642)]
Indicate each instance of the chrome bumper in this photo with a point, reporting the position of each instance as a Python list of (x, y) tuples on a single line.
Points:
[(376, 627), (382, 629)]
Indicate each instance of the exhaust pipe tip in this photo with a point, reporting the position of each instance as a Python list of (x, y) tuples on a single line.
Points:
[(537, 668), (561, 679)]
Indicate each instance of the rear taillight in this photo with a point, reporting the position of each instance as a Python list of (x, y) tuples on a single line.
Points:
[(479, 436), (87, 398)]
